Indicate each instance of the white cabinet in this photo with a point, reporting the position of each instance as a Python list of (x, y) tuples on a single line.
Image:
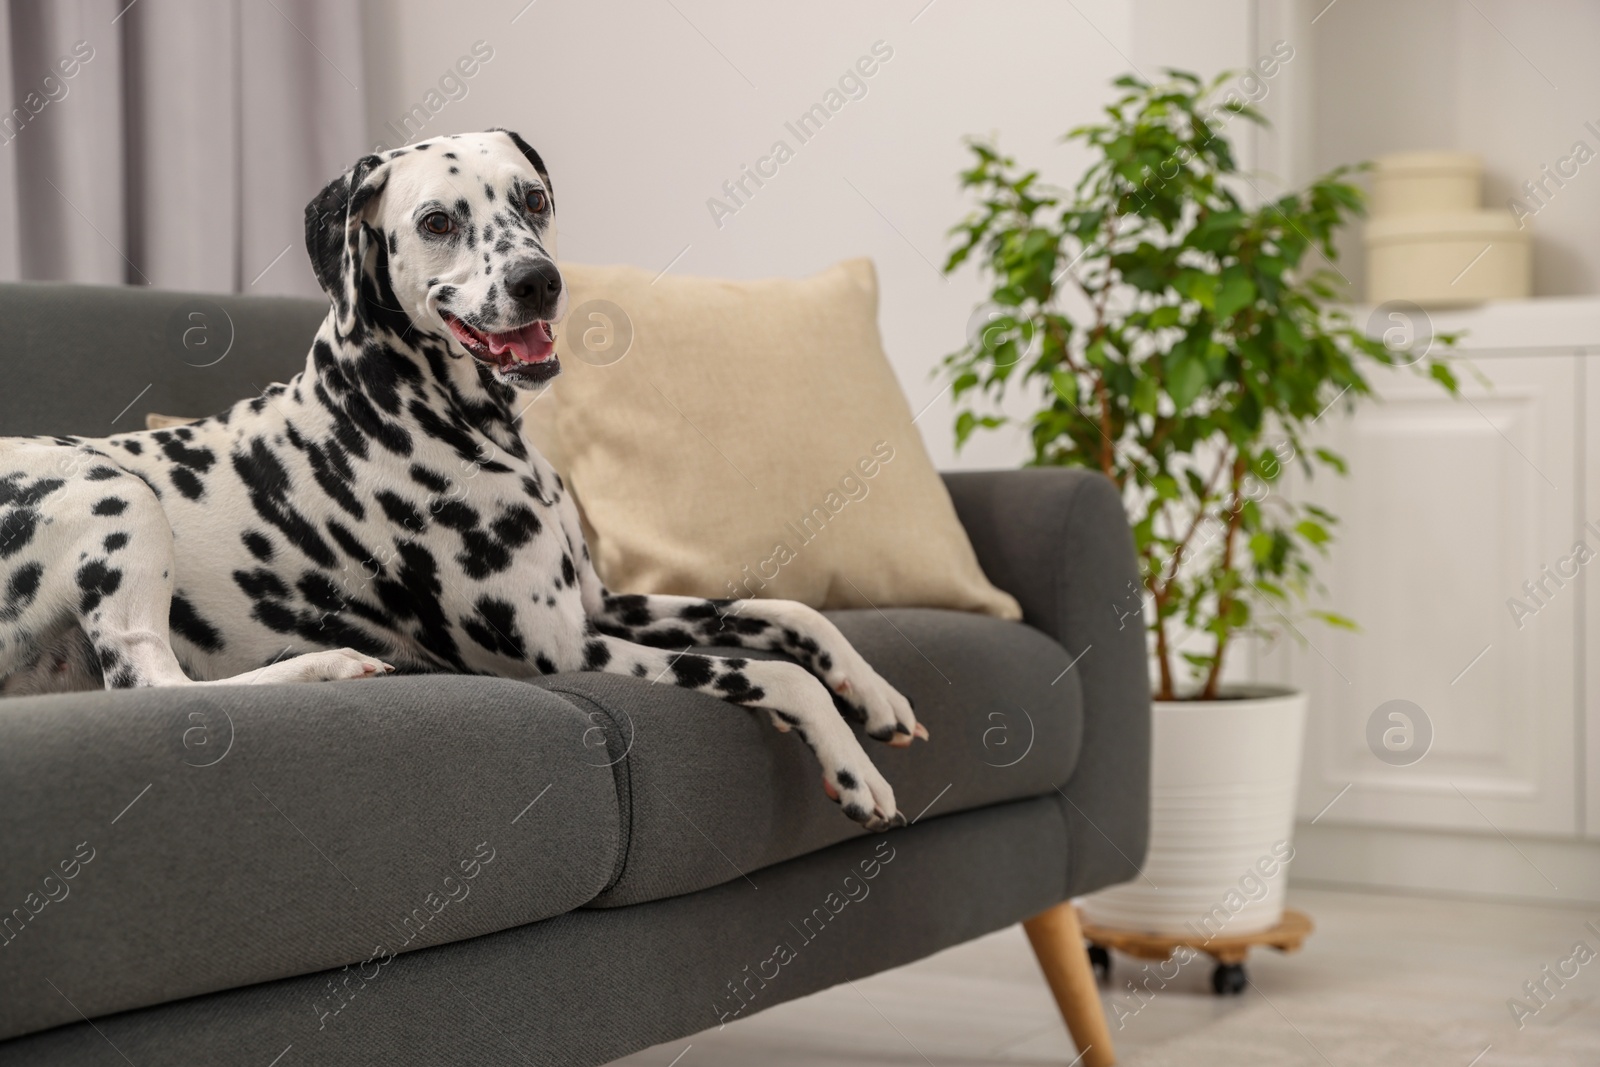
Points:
[(1587, 751), (1463, 555)]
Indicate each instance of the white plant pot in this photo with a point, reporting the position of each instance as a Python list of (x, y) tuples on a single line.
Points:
[(1224, 775)]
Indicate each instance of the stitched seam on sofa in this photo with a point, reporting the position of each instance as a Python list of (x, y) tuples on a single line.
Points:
[(1062, 585), (1070, 851), (622, 779)]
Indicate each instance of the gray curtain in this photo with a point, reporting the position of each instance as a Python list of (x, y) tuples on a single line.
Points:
[(173, 143)]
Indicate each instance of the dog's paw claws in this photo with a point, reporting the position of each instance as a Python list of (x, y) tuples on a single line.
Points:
[(879, 823), (863, 796), (885, 713)]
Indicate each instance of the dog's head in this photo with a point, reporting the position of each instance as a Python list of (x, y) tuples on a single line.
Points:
[(452, 237)]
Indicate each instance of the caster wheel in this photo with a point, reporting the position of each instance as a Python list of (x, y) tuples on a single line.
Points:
[(1228, 979), (1100, 960)]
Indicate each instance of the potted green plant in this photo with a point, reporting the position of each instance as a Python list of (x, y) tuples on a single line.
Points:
[(1175, 332)]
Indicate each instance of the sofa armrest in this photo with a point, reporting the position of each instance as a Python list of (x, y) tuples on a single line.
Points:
[(1058, 540)]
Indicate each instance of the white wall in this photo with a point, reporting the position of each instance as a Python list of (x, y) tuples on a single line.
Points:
[(643, 108), (1513, 82)]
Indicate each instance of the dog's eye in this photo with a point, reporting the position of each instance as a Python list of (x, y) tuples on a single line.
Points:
[(535, 200), (438, 223)]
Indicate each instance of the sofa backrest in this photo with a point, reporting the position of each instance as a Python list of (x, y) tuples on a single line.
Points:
[(92, 360)]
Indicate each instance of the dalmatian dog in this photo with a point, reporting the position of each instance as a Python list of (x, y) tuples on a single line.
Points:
[(381, 511)]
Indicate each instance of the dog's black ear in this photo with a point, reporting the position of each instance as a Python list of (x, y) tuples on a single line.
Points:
[(333, 229), (532, 157)]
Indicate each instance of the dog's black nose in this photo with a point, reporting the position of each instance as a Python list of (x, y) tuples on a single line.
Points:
[(533, 280)]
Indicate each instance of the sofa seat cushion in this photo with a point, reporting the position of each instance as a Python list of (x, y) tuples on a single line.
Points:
[(162, 843), (710, 792)]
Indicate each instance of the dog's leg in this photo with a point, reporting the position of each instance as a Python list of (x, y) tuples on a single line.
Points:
[(797, 701), (328, 665), (122, 585), (781, 625)]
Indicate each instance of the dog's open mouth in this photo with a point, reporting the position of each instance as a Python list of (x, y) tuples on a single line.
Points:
[(526, 352)]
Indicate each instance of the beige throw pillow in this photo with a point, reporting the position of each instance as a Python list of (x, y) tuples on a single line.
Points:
[(749, 438)]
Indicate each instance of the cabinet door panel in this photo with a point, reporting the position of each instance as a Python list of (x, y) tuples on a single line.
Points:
[(1450, 507), (1587, 755)]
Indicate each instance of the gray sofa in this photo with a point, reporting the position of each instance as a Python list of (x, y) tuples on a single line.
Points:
[(466, 870)]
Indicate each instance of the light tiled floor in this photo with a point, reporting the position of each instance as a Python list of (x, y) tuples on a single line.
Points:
[(1402, 980)]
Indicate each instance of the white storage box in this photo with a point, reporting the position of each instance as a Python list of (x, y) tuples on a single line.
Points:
[(1425, 183), (1461, 257)]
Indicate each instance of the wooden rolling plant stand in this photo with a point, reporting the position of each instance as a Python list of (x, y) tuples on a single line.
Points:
[(1229, 975)]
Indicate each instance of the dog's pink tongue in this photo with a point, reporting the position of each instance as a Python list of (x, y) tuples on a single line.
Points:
[(534, 343)]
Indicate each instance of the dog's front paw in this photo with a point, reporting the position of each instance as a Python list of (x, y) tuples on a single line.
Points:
[(849, 776), (861, 692), (799, 705), (863, 794)]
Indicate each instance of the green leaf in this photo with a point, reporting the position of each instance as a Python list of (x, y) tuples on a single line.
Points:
[(1188, 378), (1146, 396), (1198, 286), (1312, 532), (966, 422), (1273, 590), (1235, 292), (1442, 374), (1165, 316), (1066, 386), (1288, 335)]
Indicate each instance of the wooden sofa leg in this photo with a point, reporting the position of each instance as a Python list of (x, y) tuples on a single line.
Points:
[(1057, 941)]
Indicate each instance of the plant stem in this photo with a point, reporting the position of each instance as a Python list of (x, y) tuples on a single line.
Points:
[(1108, 458), (1226, 598), (1199, 517), (1165, 691)]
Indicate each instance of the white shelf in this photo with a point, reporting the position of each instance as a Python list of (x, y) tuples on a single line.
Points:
[(1540, 325)]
